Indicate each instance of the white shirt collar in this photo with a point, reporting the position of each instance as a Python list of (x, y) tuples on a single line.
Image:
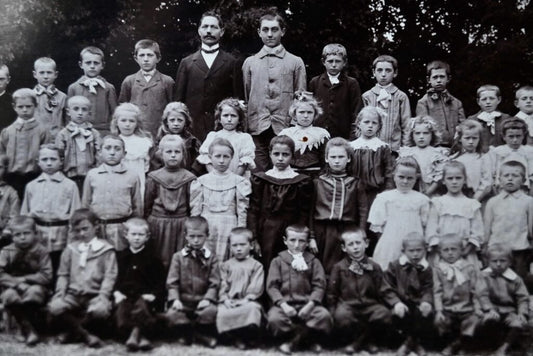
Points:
[(404, 259), (507, 274), (134, 251), (276, 173), (214, 47), (22, 121)]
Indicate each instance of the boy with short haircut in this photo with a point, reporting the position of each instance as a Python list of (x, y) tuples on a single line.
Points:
[(271, 77), (445, 109), (7, 115), (94, 87), (514, 132), (79, 139), (51, 102), (149, 89), (508, 296), (113, 192), (86, 276), (359, 296), (296, 284), (140, 287), (459, 293), (488, 99), (21, 141), (386, 96), (339, 92), (509, 216), (51, 199), (25, 275), (411, 277), (524, 103), (192, 283)]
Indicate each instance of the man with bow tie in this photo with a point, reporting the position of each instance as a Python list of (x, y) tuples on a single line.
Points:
[(271, 77), (445, 109), (94, 87), (51, 102), (207, 76), (149, 89)]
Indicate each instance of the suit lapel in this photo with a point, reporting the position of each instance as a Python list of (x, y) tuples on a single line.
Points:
[(200, 62), (154, 80), (219, 62)]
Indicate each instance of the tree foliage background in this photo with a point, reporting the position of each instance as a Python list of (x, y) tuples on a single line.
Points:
[(485, 41)]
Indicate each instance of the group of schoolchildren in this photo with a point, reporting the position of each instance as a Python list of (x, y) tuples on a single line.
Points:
[(448, 224)]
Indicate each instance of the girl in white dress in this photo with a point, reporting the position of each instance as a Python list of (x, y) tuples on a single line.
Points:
[(398, 212), (467, 149), (230, 125), (138, 143), (221, 197), (454, 214), (423, 136)]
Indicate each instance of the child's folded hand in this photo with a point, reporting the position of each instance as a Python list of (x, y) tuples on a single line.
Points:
[(306, 310), (257, 248), (230, 303), (313, 247), (425, 308), (148, 297), (204, 303), (119, 297), (491, 315), (288, 310), (22, 287), (400, 309), (177, 305), (439, 318)]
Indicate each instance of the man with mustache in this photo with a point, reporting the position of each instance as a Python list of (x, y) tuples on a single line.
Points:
[(207, 76)]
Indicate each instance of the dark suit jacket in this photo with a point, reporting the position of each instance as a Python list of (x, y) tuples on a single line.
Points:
[(201, 88)]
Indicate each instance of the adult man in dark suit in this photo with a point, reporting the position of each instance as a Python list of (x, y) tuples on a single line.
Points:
[(207, 76)]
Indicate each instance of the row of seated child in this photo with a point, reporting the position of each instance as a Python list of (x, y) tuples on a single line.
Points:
[(355, 307)]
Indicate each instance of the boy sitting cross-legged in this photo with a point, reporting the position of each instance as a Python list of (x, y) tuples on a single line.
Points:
[(358, 295), (296, 284)]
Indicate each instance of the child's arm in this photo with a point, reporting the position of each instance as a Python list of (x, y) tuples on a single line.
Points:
[(110, 275), (223, 296), (125, 91), (489, 217), (150, 194), (173, 282), (387, 163), (197, 198), (136, 198), (313, 246), (405, 116), (257, 282), (87, 194), (243, 190), (246, 154), (203, 153), (530, 222), (273, 282), (6, 279), (252, 219), (318, 285), (477, 230), (111, 98), (422, 106), (432, 226), (437, 296), (521, 296), (485, 184), (63, 272), (44, 274), (378, 214), (362, 205)]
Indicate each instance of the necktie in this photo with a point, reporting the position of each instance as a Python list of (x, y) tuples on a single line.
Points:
[(359, 267), (384, 98), (84, 249), (92, 84), (298, 262), (490, 120)]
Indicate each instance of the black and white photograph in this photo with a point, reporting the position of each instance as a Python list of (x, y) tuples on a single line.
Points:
[(242, 177)]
